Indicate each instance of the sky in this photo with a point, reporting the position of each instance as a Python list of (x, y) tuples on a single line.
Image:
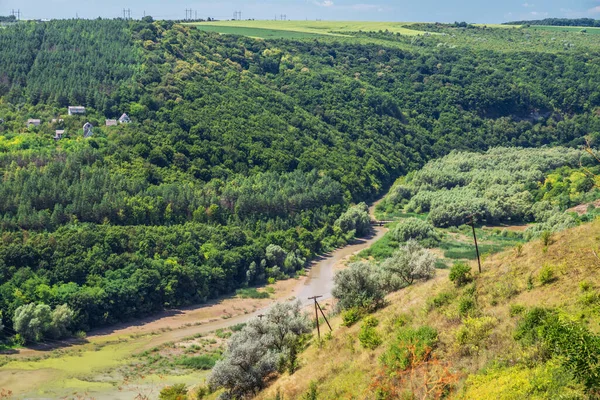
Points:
[(482, 11)]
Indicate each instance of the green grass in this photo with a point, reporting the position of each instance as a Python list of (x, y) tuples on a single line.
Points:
[(257, 32), (203, 362), (251, 293), (331, 28)]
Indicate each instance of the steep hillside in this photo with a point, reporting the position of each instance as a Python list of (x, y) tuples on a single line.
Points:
[(476, 353)]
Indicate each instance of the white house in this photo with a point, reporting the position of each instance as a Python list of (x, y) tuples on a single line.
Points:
[(33, 122), (111, 122), (124, 119), (76, 110), (87, 130), (59, 134)]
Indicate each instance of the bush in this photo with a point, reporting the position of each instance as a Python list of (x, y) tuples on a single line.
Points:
[(516, 309), (466, 305), (368, 336), (351, 316), (547, 275), (411, 262), (474, 331), (175, 392), (575, 345), (460, 274), (413, 228), (251, 293), (409, 347), (358, 287), (203, 362), (442, 299), (36, 321)]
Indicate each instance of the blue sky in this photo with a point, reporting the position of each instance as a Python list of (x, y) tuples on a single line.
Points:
[(485, 11)]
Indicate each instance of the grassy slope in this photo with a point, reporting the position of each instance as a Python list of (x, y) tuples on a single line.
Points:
[(316, 27), (343, 369)]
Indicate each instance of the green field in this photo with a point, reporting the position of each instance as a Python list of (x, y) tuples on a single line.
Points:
[(257, 32), (589, 30), (277, 28)]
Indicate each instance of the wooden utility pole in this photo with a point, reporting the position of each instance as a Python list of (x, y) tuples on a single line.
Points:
[(472, 223), (317, 309)]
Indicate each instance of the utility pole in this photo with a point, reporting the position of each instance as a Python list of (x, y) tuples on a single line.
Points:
[(472, 223), (317, 315), (260, 316)]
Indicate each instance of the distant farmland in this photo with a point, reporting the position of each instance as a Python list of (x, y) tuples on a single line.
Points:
[(257, 32), (300, 29)]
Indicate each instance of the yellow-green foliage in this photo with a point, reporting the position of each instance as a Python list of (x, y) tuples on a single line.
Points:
[(547, 381), (474, 331)]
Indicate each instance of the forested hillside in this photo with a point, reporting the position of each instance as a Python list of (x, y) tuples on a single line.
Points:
[(242, 154)]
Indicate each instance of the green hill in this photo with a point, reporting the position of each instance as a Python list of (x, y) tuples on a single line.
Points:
[(242, 153)]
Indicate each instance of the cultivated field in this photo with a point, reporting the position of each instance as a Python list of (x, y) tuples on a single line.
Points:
[(289, 29)]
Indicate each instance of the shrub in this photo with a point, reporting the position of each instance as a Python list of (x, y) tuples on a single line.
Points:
[(175, 392), (312, 393), (203, 362), (351, 316), (466, 305), (460, 274), (546, 237), (251, 293), (474, 332), (409, 347), (547, 275), (575, 345), (415, 229), (411, 262), (442, 299), (516, 309), (258, 349), (358, 287), (368, 336)]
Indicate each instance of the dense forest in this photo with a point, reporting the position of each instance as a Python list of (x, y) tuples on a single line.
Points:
[(243, 154)]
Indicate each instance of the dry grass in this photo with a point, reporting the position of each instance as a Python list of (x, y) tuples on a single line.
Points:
[(342, 369)]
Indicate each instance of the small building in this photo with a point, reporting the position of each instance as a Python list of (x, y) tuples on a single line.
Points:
[(59, 134), (73, 110), (111, 122), (87, 130), (57, 121), (124, 119), (33, 122)]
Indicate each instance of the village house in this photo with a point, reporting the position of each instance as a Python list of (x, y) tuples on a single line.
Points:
[(87, 130), (111, 122), (124, 119), (33, 122), (73, 110), (59, 134)]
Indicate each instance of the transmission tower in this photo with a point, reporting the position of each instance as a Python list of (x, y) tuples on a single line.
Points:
[(127, 13), (16, 14)]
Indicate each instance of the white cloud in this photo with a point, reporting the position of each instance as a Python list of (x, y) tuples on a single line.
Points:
[(528, 5), (324, 3), (594, 10)]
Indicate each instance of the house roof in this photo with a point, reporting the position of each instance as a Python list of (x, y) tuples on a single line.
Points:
[(60, 132), (111, 122), (33, 122)]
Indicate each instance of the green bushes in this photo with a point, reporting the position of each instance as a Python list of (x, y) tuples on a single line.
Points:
[(203, 362), (358, 286), (547, 275), (175, 392), (409, 263), (473, 333), (355, 219), (251, 293), (574, 345), (351, 316), (460, 274), (34, 322), (440, 300), (369, 338), (410, 346), (414, 228)]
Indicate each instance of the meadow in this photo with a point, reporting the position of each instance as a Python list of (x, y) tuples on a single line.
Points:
[(578, 29), (284, 29)]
